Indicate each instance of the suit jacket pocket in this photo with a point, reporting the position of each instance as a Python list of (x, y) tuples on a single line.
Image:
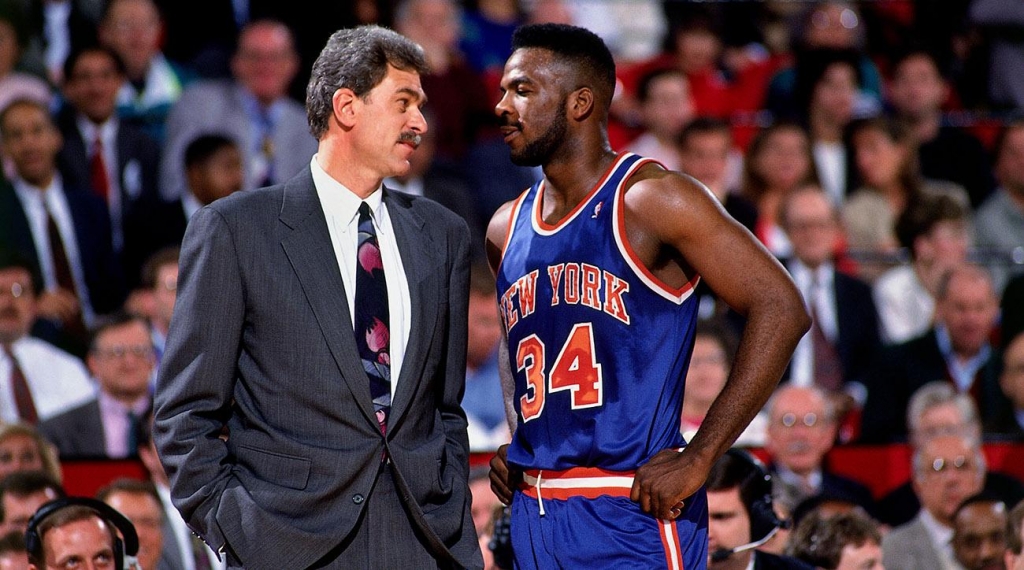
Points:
[(275, 468)]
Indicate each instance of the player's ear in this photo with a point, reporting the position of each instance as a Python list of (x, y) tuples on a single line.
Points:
[(581, 103)]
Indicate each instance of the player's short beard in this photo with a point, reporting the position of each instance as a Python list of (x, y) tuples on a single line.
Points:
[(539, 151)]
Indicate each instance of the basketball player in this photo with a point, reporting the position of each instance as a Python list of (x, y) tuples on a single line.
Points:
[(596, 266)]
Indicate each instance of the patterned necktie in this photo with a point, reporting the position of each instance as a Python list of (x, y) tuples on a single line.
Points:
[(62, 272), (22, 394), (372, 320)]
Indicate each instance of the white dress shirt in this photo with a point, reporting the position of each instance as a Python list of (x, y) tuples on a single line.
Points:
[(341, 208), (830, 162), (905, 307), (822, 301), (36, 202), (942, 540), (58, 381)]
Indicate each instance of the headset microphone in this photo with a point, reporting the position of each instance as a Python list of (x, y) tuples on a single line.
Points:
[(724, 553)]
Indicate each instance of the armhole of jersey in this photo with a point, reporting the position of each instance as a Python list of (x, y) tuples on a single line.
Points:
[(677, 296), (513, 216)]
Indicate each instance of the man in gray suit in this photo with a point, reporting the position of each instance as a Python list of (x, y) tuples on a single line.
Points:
[(946, 470), (291, 442), (253, 110)]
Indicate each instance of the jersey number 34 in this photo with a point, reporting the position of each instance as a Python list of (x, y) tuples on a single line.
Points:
[(575, 369)]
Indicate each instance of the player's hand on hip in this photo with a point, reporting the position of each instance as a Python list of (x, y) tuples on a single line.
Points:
[(503, 479), (661, 486)]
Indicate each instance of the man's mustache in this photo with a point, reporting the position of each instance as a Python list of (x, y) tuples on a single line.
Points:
[(411, 137)]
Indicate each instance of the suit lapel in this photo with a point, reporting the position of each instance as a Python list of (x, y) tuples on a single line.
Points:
[(308, 248), (421, 260)]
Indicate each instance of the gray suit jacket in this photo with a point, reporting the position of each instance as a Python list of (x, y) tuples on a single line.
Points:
[(261, 342), (909, 547), (78, 432), (216, 107)]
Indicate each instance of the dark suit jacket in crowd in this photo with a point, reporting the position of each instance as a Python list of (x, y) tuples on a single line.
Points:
[(858, 342), (78, 432), (766, 561), (101, 270), (138, 165), (262, 343), (903, 369), (901, 505)]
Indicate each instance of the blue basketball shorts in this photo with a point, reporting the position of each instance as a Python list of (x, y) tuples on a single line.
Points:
[(583, 518)]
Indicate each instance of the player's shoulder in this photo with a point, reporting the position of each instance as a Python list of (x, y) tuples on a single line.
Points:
[(654, 188)]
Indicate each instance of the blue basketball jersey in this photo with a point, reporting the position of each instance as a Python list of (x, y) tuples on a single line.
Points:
[(598, 346)]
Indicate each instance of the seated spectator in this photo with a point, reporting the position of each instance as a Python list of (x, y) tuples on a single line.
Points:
[(1011, 307), (21, 495), (979, 532), (23, 449), (81, 533), (139, 503), (666, 106), (937, 409), (39, 380), (1000, 220), (1014, 555), (705, 151), (483, 400), (829, 25), (801, 431), (956, 349), (213, 169), (484, 504), (121, 360), (935, 231), (844, 541), (252, 108), (112, 158), (918, 92), (714, 346), (946, 470), (1009, 422), (135, 31), (13, 554), (161, 274), (778, 160), (66, 230), (836, 353), (436, 26), (741, 516), (885, 154)]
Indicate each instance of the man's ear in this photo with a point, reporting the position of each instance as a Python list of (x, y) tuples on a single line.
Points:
[(344, 104), (581, 103)]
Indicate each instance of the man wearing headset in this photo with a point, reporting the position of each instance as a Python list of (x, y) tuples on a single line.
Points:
[(741, 517), (80, 533)]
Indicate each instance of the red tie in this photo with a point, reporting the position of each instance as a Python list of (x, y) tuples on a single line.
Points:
[(828, 371), (22, 394), (98, 170)]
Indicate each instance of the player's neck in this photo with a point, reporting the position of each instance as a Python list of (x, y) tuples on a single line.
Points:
[(570, 178)]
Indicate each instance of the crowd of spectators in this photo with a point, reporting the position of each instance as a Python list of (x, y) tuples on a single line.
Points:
[(876, 148)]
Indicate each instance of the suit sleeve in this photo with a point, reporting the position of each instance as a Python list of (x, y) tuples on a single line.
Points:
[(452, 414), (197, 375)]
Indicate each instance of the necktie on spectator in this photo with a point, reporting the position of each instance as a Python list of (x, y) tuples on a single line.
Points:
[(267, 146), (22, 394), (828, 372), (372, 318), (98, 170), (62, 272), (131, 439)]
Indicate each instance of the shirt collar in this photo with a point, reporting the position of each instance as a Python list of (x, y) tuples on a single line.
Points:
[(939, 533), (946, 347), (804, 275), (27, 190), (89, 129), (338, 200)]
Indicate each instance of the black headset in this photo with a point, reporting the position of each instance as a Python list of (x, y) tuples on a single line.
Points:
[(756, 494), (125, 552)]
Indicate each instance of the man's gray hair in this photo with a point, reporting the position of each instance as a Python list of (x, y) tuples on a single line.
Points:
[(356, 59), (941, 393)]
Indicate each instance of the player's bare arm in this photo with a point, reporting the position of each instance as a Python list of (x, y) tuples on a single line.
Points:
[(678, 228), (502, 481)]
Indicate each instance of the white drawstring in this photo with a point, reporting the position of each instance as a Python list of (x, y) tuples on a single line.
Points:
[(540, 501)]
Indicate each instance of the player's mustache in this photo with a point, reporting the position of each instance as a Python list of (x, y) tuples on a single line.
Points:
[(510, 123), (411, 137)]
